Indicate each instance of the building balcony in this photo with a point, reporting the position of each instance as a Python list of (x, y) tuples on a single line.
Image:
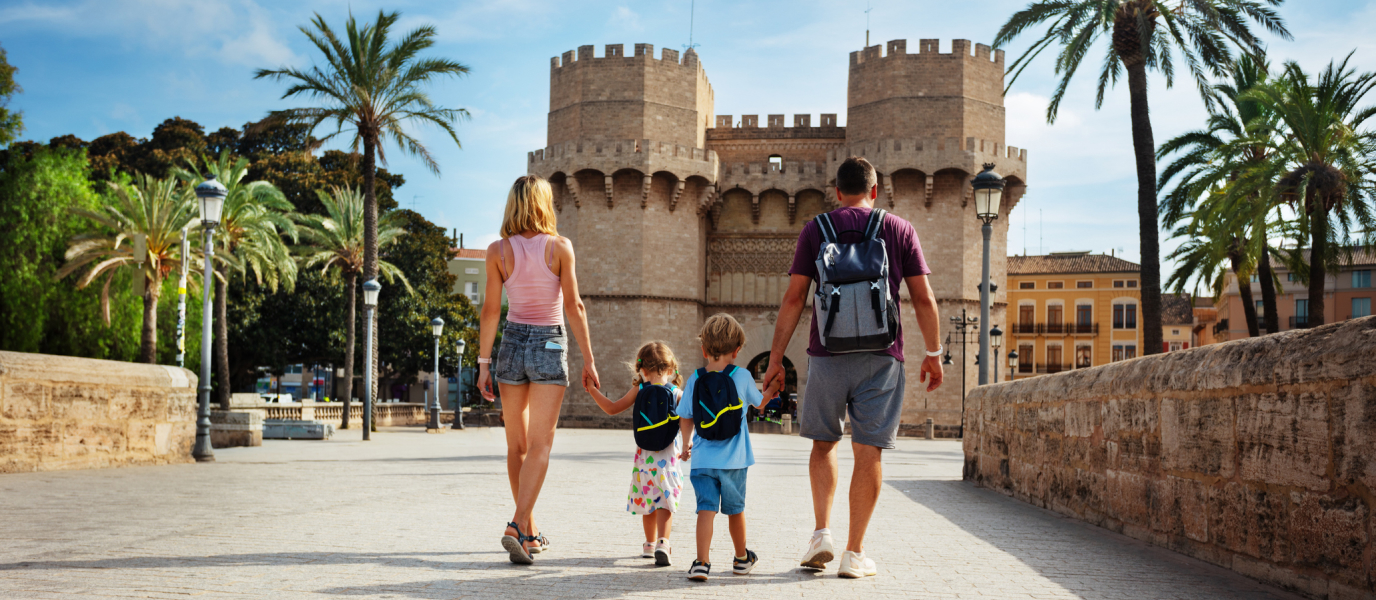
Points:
[(1299, 322), (1023, 328), (1056, 328)]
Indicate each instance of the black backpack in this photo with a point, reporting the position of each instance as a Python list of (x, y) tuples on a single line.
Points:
[(656, 421), (717, 407), (854, 307)]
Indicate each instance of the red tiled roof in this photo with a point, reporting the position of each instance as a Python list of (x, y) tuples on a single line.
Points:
[(468, 253), (1069, 263)]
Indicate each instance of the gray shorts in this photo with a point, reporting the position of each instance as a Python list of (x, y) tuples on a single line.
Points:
[(532, 354), (868, 386)]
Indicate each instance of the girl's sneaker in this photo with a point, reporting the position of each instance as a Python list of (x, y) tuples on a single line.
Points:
[(647, 550), (662, 552), (699, 570), (743, 567), (854, 565)]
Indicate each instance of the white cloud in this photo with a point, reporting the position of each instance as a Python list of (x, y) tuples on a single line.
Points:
[(625, 19)]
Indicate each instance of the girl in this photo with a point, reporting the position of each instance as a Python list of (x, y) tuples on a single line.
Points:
[(655, 482)]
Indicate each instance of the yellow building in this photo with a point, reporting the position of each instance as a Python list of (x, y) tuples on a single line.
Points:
[(1071, 310)]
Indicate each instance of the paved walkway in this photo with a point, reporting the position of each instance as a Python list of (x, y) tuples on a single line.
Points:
[(411, 515)]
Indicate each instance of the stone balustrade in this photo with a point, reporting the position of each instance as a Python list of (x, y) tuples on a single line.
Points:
[(61, 412), (1258, 455)]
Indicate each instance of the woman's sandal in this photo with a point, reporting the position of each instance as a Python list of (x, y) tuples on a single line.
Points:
[(544, 544), (515, 546)]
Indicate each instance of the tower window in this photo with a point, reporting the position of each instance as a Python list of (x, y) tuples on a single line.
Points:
[(776, 163)]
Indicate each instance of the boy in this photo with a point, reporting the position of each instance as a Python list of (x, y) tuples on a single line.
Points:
[(719, 467)]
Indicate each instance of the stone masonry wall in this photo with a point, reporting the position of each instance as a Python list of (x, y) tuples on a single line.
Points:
[(1258, 455), (60, 412)]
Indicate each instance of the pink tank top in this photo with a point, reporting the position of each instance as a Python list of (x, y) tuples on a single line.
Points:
[(533, 294)]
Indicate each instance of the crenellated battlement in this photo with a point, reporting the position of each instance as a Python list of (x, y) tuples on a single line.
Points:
[(928, 49), (614, 148), (827, 121), (915, 149), (616, 52)]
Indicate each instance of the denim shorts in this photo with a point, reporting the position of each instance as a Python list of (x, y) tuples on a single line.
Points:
[(719, 490), (533, 354)]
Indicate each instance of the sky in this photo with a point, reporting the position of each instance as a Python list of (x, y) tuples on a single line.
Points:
[(92, 67)]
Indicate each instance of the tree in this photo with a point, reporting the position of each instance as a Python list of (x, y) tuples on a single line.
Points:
[(11, 122), (375, 89), (1324, 161), (249, 240), (1144, 34), (156, 209), (1219, 192), (334, 243)]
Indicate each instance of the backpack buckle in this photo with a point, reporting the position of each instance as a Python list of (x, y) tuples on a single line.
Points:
[(874, 285)]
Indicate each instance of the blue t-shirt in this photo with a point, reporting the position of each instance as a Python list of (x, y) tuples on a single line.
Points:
[(734, 453)]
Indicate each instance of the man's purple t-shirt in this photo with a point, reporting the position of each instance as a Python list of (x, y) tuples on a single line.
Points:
[(905, 260)]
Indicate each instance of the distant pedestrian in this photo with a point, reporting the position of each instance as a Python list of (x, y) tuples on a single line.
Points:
[(713, 408), (857, 255), (535, 266), (655, 480)]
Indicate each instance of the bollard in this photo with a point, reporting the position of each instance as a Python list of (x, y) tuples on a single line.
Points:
[(787, 422), (931, 430)]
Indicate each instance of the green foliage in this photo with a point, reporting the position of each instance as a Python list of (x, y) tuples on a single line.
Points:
[(406, 342), (11, 122)]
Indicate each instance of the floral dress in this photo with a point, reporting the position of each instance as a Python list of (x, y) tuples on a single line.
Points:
[(655, 480)]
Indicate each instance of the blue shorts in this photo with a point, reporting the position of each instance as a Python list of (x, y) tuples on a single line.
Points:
[(719, 490)]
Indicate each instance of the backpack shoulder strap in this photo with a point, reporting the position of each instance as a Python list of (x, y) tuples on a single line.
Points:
[(702, 373), (875, 223), (827, 229)]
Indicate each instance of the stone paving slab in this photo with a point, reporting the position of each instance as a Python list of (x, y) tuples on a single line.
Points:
[(410, 515)]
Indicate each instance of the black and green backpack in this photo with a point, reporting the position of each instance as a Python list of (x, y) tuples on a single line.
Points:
[(717, 406), (656, 421)]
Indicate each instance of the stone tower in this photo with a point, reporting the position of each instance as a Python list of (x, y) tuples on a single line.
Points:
[(631, 177), (676, 214)]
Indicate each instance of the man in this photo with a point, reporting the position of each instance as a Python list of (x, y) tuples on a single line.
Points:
[(867, 385)]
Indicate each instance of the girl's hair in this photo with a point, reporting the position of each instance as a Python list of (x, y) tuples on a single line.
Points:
[(655, 357), (529, 207)]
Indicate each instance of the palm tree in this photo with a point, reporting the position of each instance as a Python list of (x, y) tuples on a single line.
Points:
[(250, 232), (334, 242), (1217, 183), (373, 89), (1324, 160), (1144, 34), (157, 210)]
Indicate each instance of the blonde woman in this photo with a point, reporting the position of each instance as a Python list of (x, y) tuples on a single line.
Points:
[(535, 265)]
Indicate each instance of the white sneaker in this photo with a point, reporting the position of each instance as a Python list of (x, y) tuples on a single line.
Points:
[(820, 551), (663, 552), (647, 550), (854, 565)]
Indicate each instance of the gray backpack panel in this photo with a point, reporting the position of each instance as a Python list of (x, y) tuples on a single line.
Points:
[(854, 307)]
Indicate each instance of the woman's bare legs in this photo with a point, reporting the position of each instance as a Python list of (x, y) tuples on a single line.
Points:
[(531, 414)]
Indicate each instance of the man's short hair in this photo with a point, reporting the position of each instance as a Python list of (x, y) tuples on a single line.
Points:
[(856, 176), (721, 335)]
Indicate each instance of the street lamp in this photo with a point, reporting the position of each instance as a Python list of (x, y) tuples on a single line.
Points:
[(370, 291), (458, 394), (963, 326), (211, 194), (436, 325), (988, 187), (995, 342), (1012, 363)]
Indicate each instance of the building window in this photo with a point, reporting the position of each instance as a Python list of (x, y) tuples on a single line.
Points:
[(1025, 362), (1132, 283), (1255, 278), (1027, 315), (1027, 285), (471, 271), (470, 287), (1261, 306), (776, 163), (1082, 357), (1084, 284), (1361, 307), (1175, 332), (1173, 347), (1119, 283), (1124, 352), (1053, 316), (1125, 316), (1302, 307), (293, 370), (1361, 279), (1055, 285), (1053, 359), (1289, 276), (1084, 315)]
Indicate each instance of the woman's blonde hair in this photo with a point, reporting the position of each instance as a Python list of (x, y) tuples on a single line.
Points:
[(655, 357), (530, 207)]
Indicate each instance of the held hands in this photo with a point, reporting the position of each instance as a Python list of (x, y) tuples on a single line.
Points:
[(773, 378), (931, 367), (590, 376), (772, 387), (687, 450)]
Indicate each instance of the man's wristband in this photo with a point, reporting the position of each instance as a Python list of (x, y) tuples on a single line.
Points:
[(939, 350)]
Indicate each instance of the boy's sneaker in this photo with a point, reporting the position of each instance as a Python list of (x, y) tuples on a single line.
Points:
[(647, 550), (699, 570), (854, 565), (662, 552), (819, 552), (743, 567)]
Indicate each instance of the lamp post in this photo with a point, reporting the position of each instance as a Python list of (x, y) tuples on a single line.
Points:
[(436, 325), (988, 187), (370, 292), (458, 392), (1012, 363), (995, 342), (963, 324), (211, 194)]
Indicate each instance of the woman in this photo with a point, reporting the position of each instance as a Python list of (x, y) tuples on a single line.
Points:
[(535, 265)]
